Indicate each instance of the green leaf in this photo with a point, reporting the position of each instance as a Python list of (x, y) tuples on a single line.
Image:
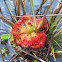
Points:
[(5, 54), (57, 34), (34, 61), (30, 29), (57, 43), (11, 38), (35, 23), (56, 21), (49, 36), (3, 50), (58, 50), (14, 45), (54, 24), (53, 52), (12, 14), (5, 36)]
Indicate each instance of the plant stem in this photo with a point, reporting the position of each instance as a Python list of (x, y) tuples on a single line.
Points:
[(41, 15), (50, 11), (15, 7), (45, 14), (56, 11), (9, 10), (1, 53), (43, 1), (5, 20), (19, 7), (21, 50), (24, 7), (31, 1)]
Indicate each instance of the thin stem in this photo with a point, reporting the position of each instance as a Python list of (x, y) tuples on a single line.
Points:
[(43, 1), (50, 11), (1, 53), (58, 52), (19, 7), (31, 1), (14, 57), (41, 15), (6, 20), (41, 12), (45, 14), (58, 1), (24, 7), (21, 50), (9, 10), (15, 7), (56, 11)]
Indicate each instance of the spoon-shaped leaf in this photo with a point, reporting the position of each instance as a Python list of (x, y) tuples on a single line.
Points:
[(5, 36)]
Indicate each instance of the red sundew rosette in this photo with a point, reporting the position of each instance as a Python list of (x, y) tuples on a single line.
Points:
[(44, 25), (25, 40), (40, 40)]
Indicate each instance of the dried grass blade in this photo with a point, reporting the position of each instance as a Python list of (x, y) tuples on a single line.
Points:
[(31, 1), (9, 10), (15, 7), (1, 55), (57, 10), (45, 14), (5, 20), (43, 1), (53, 52), (57, 43), (57, 33), (24, 7), (58, 52), (19, 1)]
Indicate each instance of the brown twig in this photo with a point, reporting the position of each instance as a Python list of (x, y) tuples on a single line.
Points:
[(19, 7), (43, 1), (14, 56), (50, 7), (6, 20), (19, 10), (41, 12), (1, 55), (15, 7), (24, 7)]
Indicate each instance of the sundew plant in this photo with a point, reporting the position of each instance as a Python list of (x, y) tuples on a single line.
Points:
[(35, 34)]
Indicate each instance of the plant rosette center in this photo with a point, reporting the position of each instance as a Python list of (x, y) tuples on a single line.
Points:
[(24, 33)]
